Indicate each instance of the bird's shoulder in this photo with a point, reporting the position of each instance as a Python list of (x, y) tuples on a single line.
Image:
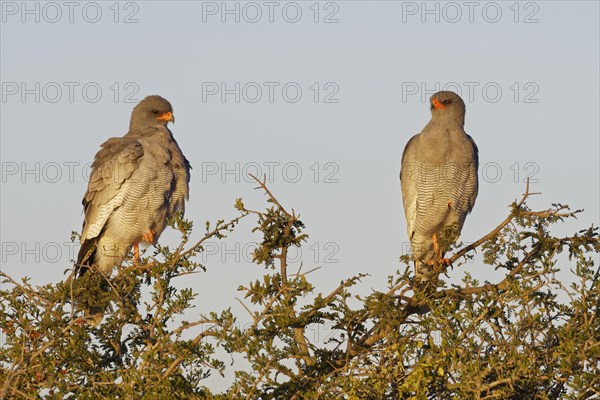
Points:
[(113, 165), (177, 159), (115, 162), (463, 147), (118, 149), (473, 144), (410, 146)]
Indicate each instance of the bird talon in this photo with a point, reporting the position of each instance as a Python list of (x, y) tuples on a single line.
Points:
[(148, 236)]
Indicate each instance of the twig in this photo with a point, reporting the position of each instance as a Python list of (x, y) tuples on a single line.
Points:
[(212, 233), (179, 359), (495, 231), (264, 187)]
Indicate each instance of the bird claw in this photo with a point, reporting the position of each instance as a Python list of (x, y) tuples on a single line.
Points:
[(437, 265), (148, 236), (438, 261)]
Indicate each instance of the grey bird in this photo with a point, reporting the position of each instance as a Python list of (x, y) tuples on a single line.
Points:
[(137, 183), (439, 182)]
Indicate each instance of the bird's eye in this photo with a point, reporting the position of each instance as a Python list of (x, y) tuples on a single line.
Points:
[(154, 111), (447, 101)]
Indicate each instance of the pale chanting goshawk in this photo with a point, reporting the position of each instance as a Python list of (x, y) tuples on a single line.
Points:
[(137, 183), (439, 181)]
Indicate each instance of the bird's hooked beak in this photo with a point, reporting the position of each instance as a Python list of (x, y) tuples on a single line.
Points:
[(436, 105), (168, 117)]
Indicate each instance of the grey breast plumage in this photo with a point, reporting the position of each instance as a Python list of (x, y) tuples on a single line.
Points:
[(439, 178), (137, 183)]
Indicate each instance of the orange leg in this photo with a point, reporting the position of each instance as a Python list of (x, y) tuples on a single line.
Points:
[(136, 253), (437, 252), (436, 247), (146, 237)]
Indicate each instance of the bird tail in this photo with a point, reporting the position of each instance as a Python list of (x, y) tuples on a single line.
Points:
[(86, 257)]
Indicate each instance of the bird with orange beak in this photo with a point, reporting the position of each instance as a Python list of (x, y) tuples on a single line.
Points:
[(439, 181), (137, 183)]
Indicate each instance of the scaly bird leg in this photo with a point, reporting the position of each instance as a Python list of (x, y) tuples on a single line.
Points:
[(435, 257), (136, 253), (438, 253), (146, 237), (436, 247)]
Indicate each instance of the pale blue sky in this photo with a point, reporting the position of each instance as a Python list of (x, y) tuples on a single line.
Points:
[(545, 120)]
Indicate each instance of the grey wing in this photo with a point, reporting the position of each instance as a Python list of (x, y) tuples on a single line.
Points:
[(473, 180), (408, 180), (465, 185), (181, 171), (113, 166)]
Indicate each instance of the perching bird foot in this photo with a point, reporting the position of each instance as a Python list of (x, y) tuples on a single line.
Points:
[(435, 266), (148, 236), (442, 261)]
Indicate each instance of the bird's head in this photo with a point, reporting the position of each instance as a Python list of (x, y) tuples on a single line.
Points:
[(151, 111), (447, 106)]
